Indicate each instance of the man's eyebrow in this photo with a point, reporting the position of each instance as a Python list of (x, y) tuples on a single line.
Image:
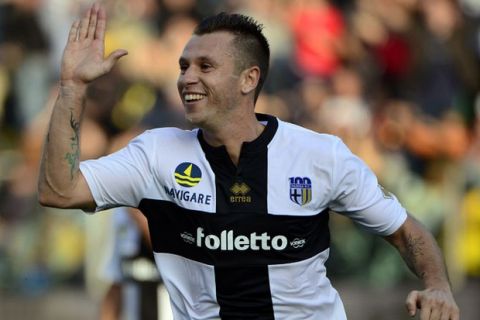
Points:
[(201, 58), (205, 58)]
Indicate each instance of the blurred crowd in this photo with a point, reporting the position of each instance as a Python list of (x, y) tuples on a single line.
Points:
[(397, 80)]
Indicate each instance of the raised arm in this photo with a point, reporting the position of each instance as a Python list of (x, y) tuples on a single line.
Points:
[(61, 183), (420, 251)]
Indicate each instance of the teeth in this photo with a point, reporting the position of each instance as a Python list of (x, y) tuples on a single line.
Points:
[(193, 97)]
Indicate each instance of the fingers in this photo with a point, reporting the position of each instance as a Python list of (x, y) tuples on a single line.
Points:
[(84, 23), (425, 313), (113, 58), (72, 35), (433, 305), (411, 303), (101, 23), (455, 315), (93, 22), (446, 316)]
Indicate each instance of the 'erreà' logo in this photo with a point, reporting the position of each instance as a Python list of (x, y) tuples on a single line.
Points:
[(188, 174), (240, 193)]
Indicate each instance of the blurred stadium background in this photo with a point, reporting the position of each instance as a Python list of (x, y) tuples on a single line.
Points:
[(398, 80)]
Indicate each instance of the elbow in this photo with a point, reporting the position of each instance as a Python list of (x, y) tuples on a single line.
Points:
[(68, 197), (52, 202), (44, 200), (47, 198)]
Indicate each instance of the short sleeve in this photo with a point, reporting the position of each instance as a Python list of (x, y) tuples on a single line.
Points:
[(358, 195), (121, 178)]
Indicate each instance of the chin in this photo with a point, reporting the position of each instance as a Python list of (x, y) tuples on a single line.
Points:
[(199, 117), (194, 119)]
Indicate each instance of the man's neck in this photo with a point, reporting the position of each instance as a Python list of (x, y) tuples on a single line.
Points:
[(234, 134)]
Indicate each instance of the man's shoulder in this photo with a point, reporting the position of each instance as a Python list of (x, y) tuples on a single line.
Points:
[(169, 133), (163, 139), (305, 136)]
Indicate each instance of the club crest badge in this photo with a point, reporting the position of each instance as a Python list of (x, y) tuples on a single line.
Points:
[(300, 190)]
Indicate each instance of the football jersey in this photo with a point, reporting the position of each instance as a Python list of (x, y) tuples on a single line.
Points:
[(245, 241)]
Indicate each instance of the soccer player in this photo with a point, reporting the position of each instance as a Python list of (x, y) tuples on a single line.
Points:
[(238, 208)]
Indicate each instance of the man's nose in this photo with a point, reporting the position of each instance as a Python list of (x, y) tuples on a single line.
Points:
[(189, 76)]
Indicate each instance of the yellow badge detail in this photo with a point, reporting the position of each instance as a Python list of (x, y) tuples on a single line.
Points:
[(240, 193), (188, 174)]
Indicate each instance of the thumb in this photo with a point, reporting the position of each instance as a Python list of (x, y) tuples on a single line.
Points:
[(114, 57), (411, 303)]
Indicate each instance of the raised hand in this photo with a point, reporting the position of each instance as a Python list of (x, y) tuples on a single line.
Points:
[(83, 58)]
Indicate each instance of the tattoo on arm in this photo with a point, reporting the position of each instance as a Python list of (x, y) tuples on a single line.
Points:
[(74, 156), (415, 246)]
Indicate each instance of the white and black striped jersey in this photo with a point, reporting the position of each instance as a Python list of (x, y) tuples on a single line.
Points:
[(247, 241)]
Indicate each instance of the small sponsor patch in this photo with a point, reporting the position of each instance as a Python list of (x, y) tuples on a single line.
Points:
[(240, 193), (188, 174)]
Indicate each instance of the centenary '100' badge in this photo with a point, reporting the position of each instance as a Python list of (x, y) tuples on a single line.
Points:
[(300, 190), (188, 174)]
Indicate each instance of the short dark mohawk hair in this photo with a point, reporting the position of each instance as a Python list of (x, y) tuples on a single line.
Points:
[(253, 47)]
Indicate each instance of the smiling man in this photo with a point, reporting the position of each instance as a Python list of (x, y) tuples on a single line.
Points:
[(238, 208)]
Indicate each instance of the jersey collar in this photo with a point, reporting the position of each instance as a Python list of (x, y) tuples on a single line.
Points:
[(260, 143)]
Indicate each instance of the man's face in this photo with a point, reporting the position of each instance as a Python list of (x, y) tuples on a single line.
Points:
[(209, 83)]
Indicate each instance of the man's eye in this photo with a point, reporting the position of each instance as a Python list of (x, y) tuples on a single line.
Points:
[(183, 67), (206, 66)]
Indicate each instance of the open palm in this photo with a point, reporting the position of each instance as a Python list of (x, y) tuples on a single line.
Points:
[(83, 58)]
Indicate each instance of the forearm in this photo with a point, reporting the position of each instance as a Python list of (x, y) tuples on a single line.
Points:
[(59, 172), (421, 253)]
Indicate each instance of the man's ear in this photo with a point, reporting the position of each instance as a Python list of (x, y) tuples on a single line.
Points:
[(249, 79)]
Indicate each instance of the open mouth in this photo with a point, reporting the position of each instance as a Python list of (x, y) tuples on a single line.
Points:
[(193, 97)]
